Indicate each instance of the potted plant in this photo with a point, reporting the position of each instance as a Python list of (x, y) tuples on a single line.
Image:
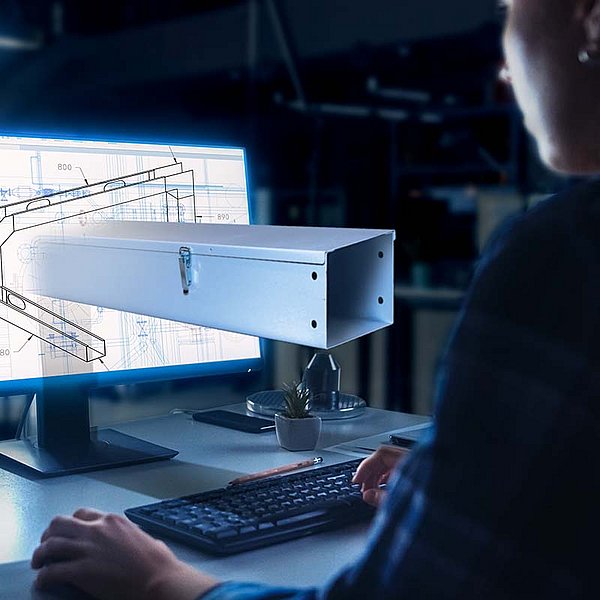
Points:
[(296, 428)]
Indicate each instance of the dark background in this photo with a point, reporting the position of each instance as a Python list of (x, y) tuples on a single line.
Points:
[(378, 113)]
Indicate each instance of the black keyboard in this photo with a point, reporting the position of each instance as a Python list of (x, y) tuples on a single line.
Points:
[(259, 513)]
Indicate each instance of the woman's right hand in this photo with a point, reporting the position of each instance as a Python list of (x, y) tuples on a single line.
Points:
[(374, 472)]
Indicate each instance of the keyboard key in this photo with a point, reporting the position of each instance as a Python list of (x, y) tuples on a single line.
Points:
[(307, 516)]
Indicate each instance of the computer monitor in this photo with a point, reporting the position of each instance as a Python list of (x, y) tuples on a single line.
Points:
[(60, 350)]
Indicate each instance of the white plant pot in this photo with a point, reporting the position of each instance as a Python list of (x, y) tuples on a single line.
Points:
[(297, 434)]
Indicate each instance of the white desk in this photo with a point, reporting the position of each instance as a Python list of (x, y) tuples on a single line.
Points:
[(209, 457)]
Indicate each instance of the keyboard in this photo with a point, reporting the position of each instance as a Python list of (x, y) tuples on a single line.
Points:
[(259, 513)]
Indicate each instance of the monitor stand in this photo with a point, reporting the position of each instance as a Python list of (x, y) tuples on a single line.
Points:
[(65, 443)]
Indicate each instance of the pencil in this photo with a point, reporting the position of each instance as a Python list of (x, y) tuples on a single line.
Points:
[(277, 470)]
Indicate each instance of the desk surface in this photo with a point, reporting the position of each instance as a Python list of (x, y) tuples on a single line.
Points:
[(209, 457)]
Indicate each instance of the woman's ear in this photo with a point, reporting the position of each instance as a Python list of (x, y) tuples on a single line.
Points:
[(588, 14)]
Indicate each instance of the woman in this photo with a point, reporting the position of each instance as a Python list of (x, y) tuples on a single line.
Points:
[(501, 500)]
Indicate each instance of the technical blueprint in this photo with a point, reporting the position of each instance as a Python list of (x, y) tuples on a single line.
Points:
[(47, 186)]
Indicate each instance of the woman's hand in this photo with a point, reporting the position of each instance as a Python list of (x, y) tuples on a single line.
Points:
[(374, 472), (109, 557)]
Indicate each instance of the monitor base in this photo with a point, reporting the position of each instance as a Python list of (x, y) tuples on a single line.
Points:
[(107, 449)]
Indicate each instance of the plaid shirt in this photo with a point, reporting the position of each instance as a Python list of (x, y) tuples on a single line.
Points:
[(501, 501)]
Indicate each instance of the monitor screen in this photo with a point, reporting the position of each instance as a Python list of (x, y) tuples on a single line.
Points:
[(60, 349), (47, 184)]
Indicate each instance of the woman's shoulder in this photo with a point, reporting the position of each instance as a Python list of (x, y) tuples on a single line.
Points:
[(546, 250), (563, 218), (565, 209)]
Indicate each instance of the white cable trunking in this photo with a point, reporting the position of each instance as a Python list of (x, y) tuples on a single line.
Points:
[(316, 286)]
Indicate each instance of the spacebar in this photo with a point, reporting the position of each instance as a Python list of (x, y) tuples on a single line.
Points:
[(301, 517)]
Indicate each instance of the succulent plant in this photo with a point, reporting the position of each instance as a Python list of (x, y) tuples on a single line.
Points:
[(297, 401)]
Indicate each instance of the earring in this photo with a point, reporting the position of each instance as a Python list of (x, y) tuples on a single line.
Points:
[(504, 75), (590, 58)]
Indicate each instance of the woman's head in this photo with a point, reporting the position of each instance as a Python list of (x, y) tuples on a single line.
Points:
[(546, 44)]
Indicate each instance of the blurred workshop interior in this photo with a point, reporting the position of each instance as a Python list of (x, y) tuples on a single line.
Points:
[(378, 114)]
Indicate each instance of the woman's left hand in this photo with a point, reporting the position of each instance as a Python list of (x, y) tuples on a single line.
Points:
[(109, 557)]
